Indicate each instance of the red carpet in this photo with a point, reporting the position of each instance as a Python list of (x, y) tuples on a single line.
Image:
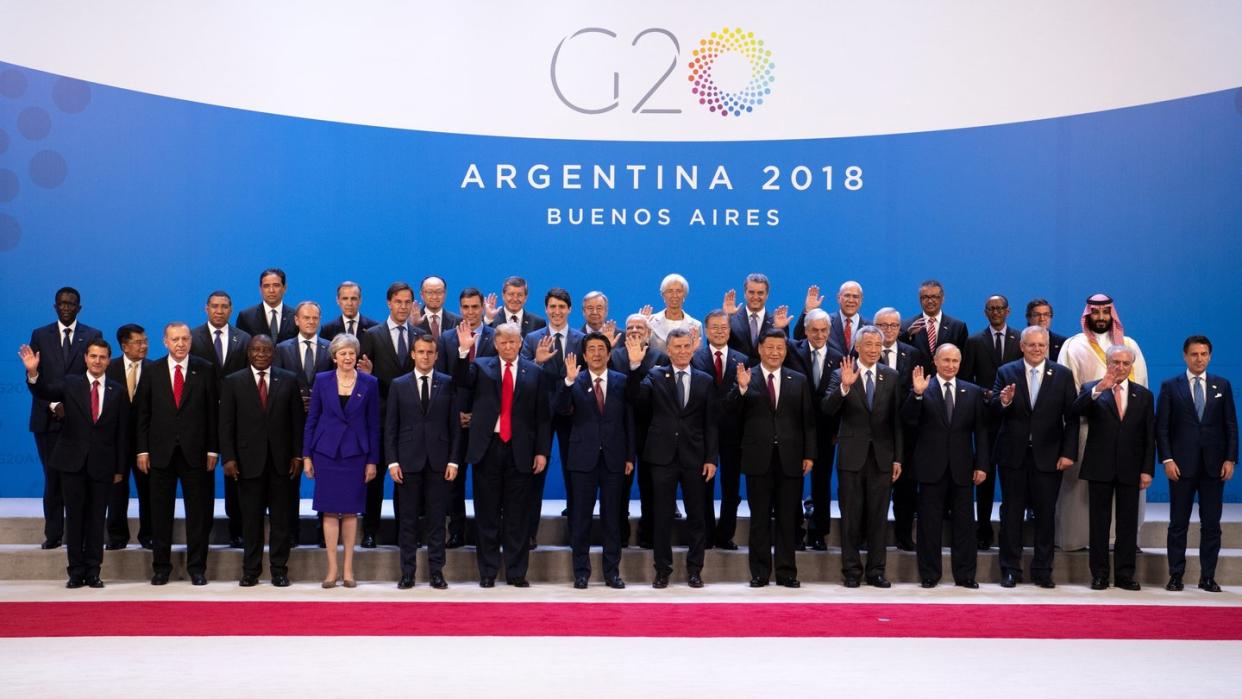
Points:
[(777, 620)]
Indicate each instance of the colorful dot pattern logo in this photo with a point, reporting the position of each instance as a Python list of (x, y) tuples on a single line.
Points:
[(761, 66)]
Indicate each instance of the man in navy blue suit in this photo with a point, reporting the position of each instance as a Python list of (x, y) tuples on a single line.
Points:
[(932, 327), (1197, 438), (600, 456), (901, 358), (513, 293), (510, 437), (62, 346), (422, 435), (720, 361), (349, 299), (748, 322), (1039, 312), (271, 316), (636, 327)]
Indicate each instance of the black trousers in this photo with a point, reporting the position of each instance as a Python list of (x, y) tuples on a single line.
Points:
[(1100, 498), (933, 499), (864, 498), (1023, 488), (646, 502), (267, 493), (560, 427), (729, 475), (585, 486), (197, 495), (427, 492), (765, 492), (1211, 491), (501, 512), (664, 481), (53, 498), (86, 500), (820, 525), (985, 492), (905, 504), (118, 508), (232, 506)]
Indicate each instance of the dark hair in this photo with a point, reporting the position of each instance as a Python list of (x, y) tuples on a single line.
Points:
[(1035, 303), (468, 292), (67, 290), (397, 287), (423, 338), (513, 281), (273, 270), (932, 282), (594, 335), (557, 292), (715, 313), (99, 342), (770, 333), (220, 292), (997, 296), (1196, 340), (127, 331)]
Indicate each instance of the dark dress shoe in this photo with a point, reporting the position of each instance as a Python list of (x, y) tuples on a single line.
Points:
[(799, 545), (248, 581), (1175, 584), (437, 581), (927, 584), (75, 583), (615, 583), (661, 581), (94, 581), (878, 581), (788, 582), (1209, 585), (145, 543), (236, 543), (368, 541), (968, 583), (198, 579), (758, 582), (580, 583), (518, 582), (1128, 584), (851, 582), (406, 582), (905, 544), (454, 542), (1044, 582), (50, 544), (695, 581), (115, 545), (645, 544), (565, 512), (280, 581), (159, 579), (322, 545), (677, 514), (487, 582), (727, 545), (531, 544), (1009, 580), (819, 545), (1099, 584)]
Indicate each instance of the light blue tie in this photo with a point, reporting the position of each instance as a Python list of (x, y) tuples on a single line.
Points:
[(817, 367), (1035, 379), (683, 393), (869, 388), (1198, 396)]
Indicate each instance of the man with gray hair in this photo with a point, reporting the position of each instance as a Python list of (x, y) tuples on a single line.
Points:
[(748, 322), (595, 314), (846, 320)]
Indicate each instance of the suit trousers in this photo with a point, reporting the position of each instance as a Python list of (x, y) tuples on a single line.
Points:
[(86, 500), (664, 481), (267, 493), (1024, 488), (1211, 491), (864, 499), (905, 504), (584, 486), (198, 497), (118, 508), (53, 498), (985, 493), (820, 525), (729, 474), (560, 427), (766, 492), (426, 493), (375, 499), (232, 506), (933, 499), (501, 512), (1101, 496)]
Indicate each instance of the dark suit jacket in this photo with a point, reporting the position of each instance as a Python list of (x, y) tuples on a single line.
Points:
[(47, 342), (289, 355), (789, 428), (728, 423), (1198, 446), (101, 448), (352, 431), (1051, 428), (530, 418), (249, 433), (336, 326), (555, 366), (620, 361), (377, 345), (448, 321), (530, 321), (979, 360), (1055, 342), (447, 348), (739, 333), (256, 321), (862, 428), (798, 358), (162, 425), (418, 439), (961, 446), (951, 330), (203, 344), (1117, 448), (678, 436), (593, 434), (116, 372), (836, 330)]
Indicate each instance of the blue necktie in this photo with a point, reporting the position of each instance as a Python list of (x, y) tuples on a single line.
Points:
[(219, 349), (403, 350), (869, 388), (1198, 396)]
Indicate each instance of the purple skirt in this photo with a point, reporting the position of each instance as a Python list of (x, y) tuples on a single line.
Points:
[(340, 485)]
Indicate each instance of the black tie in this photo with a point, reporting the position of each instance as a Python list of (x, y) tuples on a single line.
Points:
[(275, 326), (351, 328), (403, 350), (948, 402), (423, 394), (308, 362), (67, 346), (998, 346), (886, 362)]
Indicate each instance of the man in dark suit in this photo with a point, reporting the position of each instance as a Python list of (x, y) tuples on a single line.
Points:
[(225, 347), (349, 299), (177, 437), (932, 328), (985, 352), (844, 322), (1197, 437), (62, 346), (272, 316), (716, 359), (507, 398), (815, 358), (595, 315), (777, 421), (91, 452), (682, 447), (600, 456), (864, 394), (261, 417), (470, 303), (1117, 462), (902, 358), (127, 371), (304, 356), (1039, 312), (1037, 439), (513, 294), (437, 319), (636, 327), (951, 457), (386, 355), (547, 347), (748, 323), (423, 435)]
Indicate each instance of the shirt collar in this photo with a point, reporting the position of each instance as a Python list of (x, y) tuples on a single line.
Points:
[(72, 327), (1039, 366), (90, 378), (1190, 376), (184, 362), (420, 374), (393, 325), (602, 375), (863, 368), (255, 371)]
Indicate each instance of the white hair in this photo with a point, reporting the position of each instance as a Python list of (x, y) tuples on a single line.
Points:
[(674, 278)]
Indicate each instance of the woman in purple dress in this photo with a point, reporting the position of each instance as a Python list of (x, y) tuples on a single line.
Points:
[(341, 449)]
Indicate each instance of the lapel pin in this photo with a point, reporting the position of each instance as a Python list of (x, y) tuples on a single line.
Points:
[(1218, 395), (1048, 372)]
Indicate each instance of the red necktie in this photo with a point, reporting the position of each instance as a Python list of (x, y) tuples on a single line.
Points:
[(931, 334), (719, 368), (849, 334), (435, 326), (178, 384), (95, 400), (599, 395), (772, 390), (262, 391), (506, 404), (470, 355)]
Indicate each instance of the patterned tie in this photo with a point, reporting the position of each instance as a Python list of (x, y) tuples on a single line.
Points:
[(599, 394), (682, 393), (772, 390), (719, 368), (351, 327), (219, 349), (274, 325), (948, 402), (754, 328), (931, 334), (506, 404), (1035, 380), (434, 321), (262, 391), (887, 361), (403, 350), (66, 347), (1121, 411), (849, 334), (869, 388), (513, 319), (178, 385), (95, 400), (817, 367), (1198, 396), (308, 362), (131, 380), (424, 393)]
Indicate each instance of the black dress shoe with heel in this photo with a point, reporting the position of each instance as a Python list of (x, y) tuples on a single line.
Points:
[(248, 581), (879, 581), (615, 582), (661, 581), (518, 582), (851, 582), (580, 582), (1099, 584)]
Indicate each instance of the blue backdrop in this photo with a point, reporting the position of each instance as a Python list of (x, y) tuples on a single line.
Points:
[(146, 204)]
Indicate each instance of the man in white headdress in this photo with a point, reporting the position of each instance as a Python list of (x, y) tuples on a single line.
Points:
[(1083, 354)]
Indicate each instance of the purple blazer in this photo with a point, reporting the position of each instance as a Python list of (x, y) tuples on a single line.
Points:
[(342, 433)]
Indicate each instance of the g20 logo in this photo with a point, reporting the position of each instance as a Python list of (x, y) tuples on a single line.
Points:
[(736, 45)]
